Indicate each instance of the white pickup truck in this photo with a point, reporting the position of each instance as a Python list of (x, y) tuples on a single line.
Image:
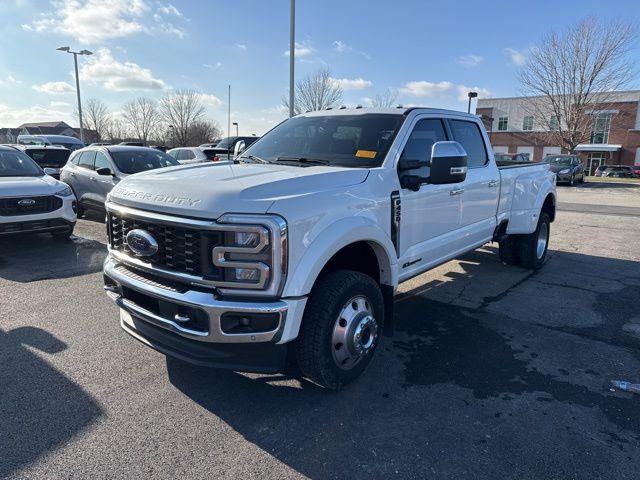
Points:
[(291, 255)]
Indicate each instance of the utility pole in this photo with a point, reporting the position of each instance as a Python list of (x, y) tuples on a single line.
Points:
[(292, 55), (229, 113), (75, 64)]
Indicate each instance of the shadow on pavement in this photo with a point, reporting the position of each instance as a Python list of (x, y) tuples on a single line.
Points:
[(449, 377), (39, 257), (605, 184), (43, 409)]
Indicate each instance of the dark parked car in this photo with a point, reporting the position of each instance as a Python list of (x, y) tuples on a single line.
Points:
[(225, 149), (636, 170), (618, 171), (568, 168), (51, 157), (93, 171), (600, 171), (515, 158)]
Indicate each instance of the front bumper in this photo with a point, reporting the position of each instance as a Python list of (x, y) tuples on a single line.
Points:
[(147, 308)]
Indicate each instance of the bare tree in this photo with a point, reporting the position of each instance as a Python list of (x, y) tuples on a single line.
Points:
[(96, 117), (316, 91), (385, 99), (116, 130), (204, 131), (568, 73), (181, 109), (142, 116)]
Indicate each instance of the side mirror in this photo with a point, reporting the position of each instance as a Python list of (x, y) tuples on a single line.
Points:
[(104, 171), (50, 171), (448, 163), (239, 147)]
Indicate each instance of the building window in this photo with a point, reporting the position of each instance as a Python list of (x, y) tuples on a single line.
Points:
[(601, 125), (503, 122), (554, 124), (527, 123)]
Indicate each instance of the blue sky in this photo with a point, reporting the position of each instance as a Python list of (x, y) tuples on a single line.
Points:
[(430, 52)]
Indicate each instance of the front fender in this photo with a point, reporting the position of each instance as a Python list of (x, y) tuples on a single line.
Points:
[(529, 196), (329, 241)]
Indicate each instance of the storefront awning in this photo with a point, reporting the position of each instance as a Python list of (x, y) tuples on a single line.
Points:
[(597, 147)]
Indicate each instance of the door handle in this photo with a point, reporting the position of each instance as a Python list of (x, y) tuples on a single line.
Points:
[(456, 191), (493, 183)]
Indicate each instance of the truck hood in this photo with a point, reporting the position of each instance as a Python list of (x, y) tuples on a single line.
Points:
[(28, 186), (209, 190)]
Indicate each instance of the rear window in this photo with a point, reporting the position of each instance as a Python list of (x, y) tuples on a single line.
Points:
[(135, 161), (49, 157), (209, 153)]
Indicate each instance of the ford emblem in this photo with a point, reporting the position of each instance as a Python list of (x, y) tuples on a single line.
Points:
[(141, 243), (26, 202)]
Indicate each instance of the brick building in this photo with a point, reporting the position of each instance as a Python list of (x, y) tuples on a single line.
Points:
[(614, 137)]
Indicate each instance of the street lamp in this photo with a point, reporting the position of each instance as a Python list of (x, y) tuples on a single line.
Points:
[(235, 124), (471, 95), (75, 64)]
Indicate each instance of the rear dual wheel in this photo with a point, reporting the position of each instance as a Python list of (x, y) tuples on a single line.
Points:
[(529, 251)]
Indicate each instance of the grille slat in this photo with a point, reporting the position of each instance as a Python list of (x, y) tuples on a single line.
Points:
[(179, 248), (10, 207)]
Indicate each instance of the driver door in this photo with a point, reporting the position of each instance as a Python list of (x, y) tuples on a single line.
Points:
[(430, 216)]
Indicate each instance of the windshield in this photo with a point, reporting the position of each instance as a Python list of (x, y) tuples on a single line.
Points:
[(558, 160), (344, 140), (17, 164), (49, 157), (135, 161)]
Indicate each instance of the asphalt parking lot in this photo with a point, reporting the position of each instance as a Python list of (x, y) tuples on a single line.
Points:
[(493, 372)]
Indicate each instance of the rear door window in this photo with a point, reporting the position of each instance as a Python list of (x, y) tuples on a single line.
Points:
[(469, 136), (102, 161), (86, 159)]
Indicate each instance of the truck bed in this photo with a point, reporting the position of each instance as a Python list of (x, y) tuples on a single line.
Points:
[(507, 164)]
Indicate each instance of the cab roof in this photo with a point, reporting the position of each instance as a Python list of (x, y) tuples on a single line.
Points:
[(389, 111)]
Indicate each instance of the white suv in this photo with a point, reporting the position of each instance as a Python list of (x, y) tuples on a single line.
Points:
[(32, 201)]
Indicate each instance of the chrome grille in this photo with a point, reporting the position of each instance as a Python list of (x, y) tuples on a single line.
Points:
[(180, 249)]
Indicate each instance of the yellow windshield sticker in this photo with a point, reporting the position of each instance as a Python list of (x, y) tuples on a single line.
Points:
[(366, 153)]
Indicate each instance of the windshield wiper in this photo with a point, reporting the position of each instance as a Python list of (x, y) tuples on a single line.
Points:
[(310, 161), (255, 158)]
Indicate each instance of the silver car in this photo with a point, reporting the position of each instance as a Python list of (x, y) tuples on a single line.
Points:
[(93, 171), (188, 155)]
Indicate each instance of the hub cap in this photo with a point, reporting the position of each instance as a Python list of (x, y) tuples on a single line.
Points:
[(543, 235), (355, 333)]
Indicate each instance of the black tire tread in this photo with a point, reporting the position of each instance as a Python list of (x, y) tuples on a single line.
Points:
[(310, 345), (528, 245)]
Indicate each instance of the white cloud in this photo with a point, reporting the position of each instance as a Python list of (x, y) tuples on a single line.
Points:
[(464, 90), (169, 9), (93, 21), (12, 117), (517, 57), (302, 50), (241, 46), (470, 60), (426, 89), (342, 47), (58, 104), (214, 66), (104, 69), (352, 83), (210, 100), (9, 80), (167, 25), (54, 88)]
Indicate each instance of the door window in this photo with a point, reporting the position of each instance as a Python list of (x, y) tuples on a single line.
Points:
[(102, 161), (469, 136), (418, 147), (86, 159)]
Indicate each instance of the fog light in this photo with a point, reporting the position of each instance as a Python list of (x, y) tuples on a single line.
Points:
[(246, 274), (249, 323)]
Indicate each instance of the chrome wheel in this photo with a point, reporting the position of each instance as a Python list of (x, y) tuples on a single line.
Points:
[(355, 333), (543, 238)]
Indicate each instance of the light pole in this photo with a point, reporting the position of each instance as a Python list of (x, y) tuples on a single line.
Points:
[(471, 95), (229, 113), (292, 54), (235, 124), (75, 64)]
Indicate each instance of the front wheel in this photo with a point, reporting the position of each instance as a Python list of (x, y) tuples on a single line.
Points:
[(341, 328), (533, 247)]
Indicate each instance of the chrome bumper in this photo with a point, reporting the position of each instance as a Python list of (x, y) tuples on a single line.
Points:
[(203, 301)]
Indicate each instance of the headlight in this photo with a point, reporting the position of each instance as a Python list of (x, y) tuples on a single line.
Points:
[(253, 257), (564, 170), (64, 192)]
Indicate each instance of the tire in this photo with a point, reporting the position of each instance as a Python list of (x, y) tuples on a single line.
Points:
[(64, 234), (509, 250), (571, 181), (80, 210), (532, 253), (318, 349)]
